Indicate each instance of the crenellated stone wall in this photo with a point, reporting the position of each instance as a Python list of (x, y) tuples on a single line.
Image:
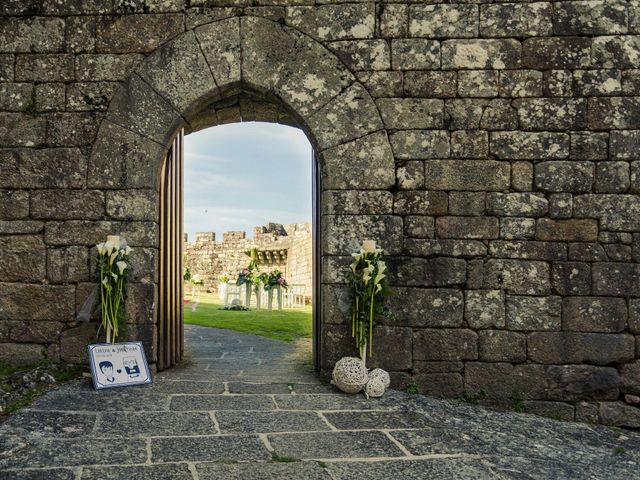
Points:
[(491, 148), (283, 247)]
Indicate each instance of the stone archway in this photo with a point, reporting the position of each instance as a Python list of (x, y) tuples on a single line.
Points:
[(177, 86)]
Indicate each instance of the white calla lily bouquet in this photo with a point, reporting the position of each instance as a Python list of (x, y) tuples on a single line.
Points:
[(113, 269), (369, 288)]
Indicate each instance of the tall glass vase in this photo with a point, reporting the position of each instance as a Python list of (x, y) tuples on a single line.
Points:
[(279, 288), (258, 295), (247, 295)]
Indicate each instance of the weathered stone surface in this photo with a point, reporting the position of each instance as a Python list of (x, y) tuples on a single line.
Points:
[(467, 227), (560, 205), (551, 113), (450, 248), (430, 84), (467, 203), (44, 67), (443, 21), (14, 204), (593, 18), (342, 233), (556, 52), (363, 54), (502, 346), (334, 22), (529, 145), (478, 83), (590, 146), (136, 33), (477, 175), (397, 354), (419, 226), (522, 176), (445, 344), (16, 97), (614, 112), (420, 202), (132, 205), (105, 67), (594, 314), (21, 130), (399, 113), (528, 250), (89, 96), (625, 144), (634, 315), (533, 313), (517, 228), (520, 277), (67, 204), (34, 34), (54, 302), (465, 113), (371, 164), (336, 202), (517, 204), (597, 82), (420, 307), (616, 51), (571, 278), (12, 227), (207, 448), (22, 353), (516, 20), (564, 176), (616, 279), (572, 230), (520, 83), (419, 144), (410, 175), (619, 414), (481, 54), (67, 265), (570, 347), (499, 115), (612, 177), (382, 84), (469, 144), (432, 272), (85, 232), (408, 54), (615, 212), (630, 378), (394, 21), (484, 308)]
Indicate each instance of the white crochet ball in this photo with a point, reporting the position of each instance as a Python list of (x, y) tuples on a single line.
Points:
[(382, 375), (350, 375), (374, 388)]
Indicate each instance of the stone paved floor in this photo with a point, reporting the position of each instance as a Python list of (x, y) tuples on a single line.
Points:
[(245, 407)]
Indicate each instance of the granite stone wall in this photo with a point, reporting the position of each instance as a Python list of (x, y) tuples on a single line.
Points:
[(490, 148)]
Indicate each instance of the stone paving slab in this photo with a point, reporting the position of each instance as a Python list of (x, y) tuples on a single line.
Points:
[(334, 445), (376, 420), (188, 386), (45, 423), (40, 474), (132, 399), (449, 468), (212, 448), (155, 424), (222, 402), (262, 471), (331, 402), (169, 471), (265, 422)]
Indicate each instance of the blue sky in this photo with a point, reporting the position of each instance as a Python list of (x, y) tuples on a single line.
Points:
[(241, 175)]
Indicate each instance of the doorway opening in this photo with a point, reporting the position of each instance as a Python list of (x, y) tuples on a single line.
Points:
[(239, 237)]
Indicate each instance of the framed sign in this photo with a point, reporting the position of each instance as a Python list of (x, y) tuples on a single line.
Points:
[(118, 365)]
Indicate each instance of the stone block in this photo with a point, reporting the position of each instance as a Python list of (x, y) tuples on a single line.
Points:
[(558, 83), (591, 18), (394, 20), (49, 97), (573, 347), (547, 53), (13, 227), (22, 353), (612, 177), (616, 51), (502, 346), (343, 233), (630, 378), (571, 278), (44, 68), (14, 204), (68, 265), (615, 212), (16, 97), (67, 204), (467, 203), (450, 248), (560, 205), (634, 315), (31, 34), (485, 308), (597, 82), (414, 113), (414, 54), (337, 202), (469, 144), (618, 414), (397, 351), (587, 252), (522, 176), (533, 313), (53, 302), (363, 54), (590, 145), (430, 84), (517, 204), (333, 22), (6, 67), (571, 230), (431, 272), (446, 385), (517, 228), (499, 115), (616, 279), (631, 82), (418, 226), (516, 20), (89, 96), (594, 314), (529, 145), (85, 232), (550, 251), (587, 412), (22, 258), (21, 130), (138, 33), (382, 84), (520, 277), (443, 21), (81, 34), (478, 83), (564, 176), (74, 341), (445, 344), (371, 164), (481, 54), (420, 144), (72, 129), (467, 227), (619, 253), (625, 144), (420, 202), (410, 175), (614, 113), (520, 83), (551, 113), (555, 410), (464, 113), (420, 307), (470, 175), (132, 204), (35, 332), (106, 67)]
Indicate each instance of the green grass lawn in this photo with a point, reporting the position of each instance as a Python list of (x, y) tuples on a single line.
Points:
[(288, 325)]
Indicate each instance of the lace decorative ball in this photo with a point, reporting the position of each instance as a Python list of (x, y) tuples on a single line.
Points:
[(382, 375), (350, 375), (374, 388)]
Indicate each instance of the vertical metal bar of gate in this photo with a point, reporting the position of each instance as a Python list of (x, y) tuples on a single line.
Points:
[(170, 316), (316, 188)]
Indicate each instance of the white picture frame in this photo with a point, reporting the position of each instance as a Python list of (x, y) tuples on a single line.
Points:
[(118, 365)]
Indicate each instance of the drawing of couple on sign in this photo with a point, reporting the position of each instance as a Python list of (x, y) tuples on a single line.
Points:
[(130, 366)]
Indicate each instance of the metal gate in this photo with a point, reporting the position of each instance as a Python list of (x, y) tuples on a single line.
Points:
[(170, 316)]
